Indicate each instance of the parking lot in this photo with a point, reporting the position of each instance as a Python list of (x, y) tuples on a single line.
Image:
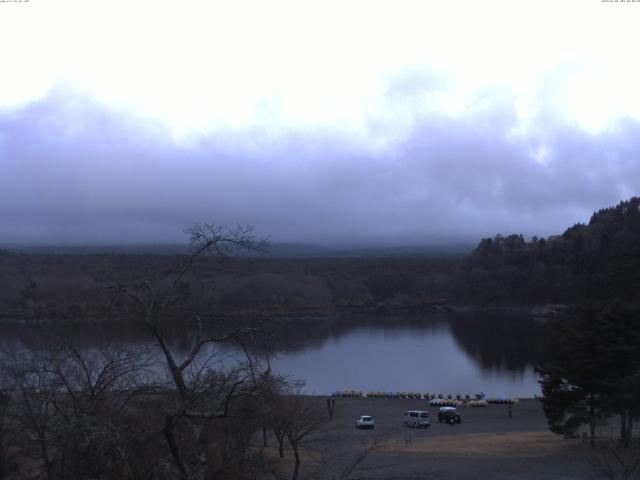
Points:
[(388, 414), (486, 444)]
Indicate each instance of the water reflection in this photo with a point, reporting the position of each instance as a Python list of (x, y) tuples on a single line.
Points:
[(449, 353), (446, 353)]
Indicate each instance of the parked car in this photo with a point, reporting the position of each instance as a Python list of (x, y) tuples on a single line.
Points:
[(449, 415), (365, 421), (417, 418)]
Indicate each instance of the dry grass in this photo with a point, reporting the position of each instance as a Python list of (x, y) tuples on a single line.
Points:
[(521, 444)]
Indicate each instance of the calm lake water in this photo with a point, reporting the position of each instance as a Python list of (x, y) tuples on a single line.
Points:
[(447, 353)]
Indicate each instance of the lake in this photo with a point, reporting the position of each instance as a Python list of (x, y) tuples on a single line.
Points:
[(448, 353), (462, 353)]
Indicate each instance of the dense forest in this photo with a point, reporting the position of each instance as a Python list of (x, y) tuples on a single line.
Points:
[(598, 261), (592, 262)]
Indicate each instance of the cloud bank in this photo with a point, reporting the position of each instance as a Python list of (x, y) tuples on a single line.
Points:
[(73, 170)]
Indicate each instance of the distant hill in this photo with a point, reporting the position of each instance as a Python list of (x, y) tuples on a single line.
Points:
[(275, 250), (99, 249)]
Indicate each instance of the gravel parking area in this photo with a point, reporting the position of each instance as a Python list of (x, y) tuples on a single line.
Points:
[(487, 444)]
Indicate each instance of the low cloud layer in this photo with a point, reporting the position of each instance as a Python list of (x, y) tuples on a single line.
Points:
[(74, 171)]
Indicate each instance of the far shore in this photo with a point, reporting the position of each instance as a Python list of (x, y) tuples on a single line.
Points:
[(22, 317)]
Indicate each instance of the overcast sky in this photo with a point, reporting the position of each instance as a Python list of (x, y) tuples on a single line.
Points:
[(386, 122)]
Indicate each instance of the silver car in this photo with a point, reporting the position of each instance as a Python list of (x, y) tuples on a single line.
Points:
[(365, 421)]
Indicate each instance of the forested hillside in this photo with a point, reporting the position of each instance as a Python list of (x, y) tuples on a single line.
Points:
[(596, 261)]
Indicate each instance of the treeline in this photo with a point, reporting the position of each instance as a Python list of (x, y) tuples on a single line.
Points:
[(598, 261), (74, 287)]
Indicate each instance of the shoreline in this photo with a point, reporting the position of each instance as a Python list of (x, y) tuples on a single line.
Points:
[(17, 317)]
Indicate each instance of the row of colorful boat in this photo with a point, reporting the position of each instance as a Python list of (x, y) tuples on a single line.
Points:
[(419, 395), (480, 400), (445, 402), (485, 402), (505, 400), (477, 403), (394, 395), (347, 393)]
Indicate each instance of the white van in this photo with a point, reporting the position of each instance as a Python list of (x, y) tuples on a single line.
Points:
[(417, 418)]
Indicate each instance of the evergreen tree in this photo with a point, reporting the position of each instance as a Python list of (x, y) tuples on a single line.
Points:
[(571, 377), (592, 371)]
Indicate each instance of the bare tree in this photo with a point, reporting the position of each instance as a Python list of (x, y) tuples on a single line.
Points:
[(278, 422), (616, 459), (200, 395), (348, 463), (65, 409), (205, 239), (85, 412), (94, 379), (306, 419), (33, 393), (4, 402), (98, 385), (328, 457)]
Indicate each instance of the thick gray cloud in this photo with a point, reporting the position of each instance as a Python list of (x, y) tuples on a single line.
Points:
[(73, 171)]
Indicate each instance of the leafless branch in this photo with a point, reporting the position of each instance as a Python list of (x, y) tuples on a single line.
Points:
[(615, 460)]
